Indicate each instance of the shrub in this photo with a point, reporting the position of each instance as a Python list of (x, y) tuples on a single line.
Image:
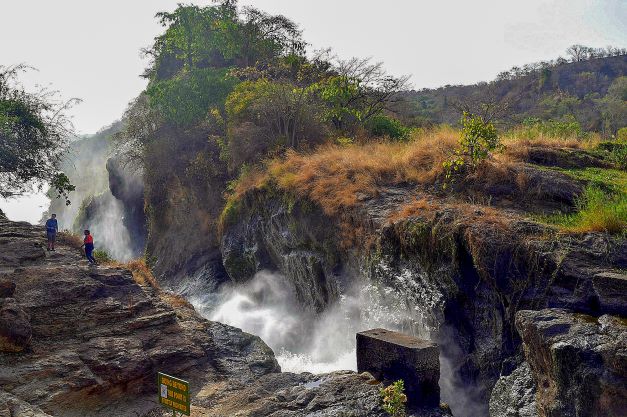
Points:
[(386, 126), (478, 139), (621, 135), (618, 155), (102, 256), (394, 399)]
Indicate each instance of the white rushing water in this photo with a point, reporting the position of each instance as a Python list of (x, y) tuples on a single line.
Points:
[(302, 340)]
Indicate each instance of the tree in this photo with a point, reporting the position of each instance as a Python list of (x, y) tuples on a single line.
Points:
[(358, 91), (578, 52), (265, 115), (614, 105), (264, 36), (34, 130)]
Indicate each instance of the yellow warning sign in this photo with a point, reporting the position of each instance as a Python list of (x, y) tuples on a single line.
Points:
[(173, 393)]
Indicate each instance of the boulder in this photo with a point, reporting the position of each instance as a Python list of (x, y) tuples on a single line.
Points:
[(15, 329), (514, 394), (578, 362)]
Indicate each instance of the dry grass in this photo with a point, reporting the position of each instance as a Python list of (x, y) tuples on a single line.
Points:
[(141, 273), (420, 207), (175, 300), (334, 176), (71, 239), (517, 145)]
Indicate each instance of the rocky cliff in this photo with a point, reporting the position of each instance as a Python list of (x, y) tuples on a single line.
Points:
[(77, 340), (461, 270)]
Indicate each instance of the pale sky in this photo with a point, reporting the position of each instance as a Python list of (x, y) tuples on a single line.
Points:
[(91, 49)]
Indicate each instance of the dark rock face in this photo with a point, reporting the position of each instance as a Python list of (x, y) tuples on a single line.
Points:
[(391, 356), (126, 185), (276, 237), (579, 362), (514, 395), (11, 406), (465, 273), (565, 158), (15, 329), (610, 289)]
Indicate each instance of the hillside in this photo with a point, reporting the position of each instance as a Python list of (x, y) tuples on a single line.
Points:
[(590, 91)]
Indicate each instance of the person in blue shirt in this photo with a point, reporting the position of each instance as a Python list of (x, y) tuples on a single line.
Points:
[(52, 228)]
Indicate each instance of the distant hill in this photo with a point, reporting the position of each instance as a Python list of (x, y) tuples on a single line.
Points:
[(592, 91)]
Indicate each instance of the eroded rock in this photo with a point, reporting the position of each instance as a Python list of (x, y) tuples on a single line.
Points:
[(15, 329), (514, 395), (579, 362)]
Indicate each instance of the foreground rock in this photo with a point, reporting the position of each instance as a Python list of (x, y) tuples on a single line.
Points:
[(514, 395), (578, 362), (97, 339)]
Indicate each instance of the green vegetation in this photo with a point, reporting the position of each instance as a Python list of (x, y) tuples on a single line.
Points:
[(596, 211), (534, 127), (102, 256), (381, 126), (603, 205), (394, 399), (588, 87), (34, 130), (242, 76), (477, 140)]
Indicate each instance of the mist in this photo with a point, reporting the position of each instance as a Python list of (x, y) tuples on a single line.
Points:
[(304, 341)]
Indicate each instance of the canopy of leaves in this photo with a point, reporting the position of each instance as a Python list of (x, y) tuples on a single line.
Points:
[(33, 134)]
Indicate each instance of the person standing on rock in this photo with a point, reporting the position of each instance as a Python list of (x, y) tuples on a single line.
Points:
[(88, 243), (52, 227)]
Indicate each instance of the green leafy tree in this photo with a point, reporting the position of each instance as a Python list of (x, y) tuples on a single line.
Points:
[(614, 105), (34, 130), (265, 115), (357, 91), (186, 99)]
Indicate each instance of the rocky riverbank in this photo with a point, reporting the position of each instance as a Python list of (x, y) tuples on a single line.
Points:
[(77, 340)]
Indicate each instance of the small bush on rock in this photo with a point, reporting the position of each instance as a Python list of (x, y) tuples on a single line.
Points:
[(478, 139), (102, 256), (394, 399)]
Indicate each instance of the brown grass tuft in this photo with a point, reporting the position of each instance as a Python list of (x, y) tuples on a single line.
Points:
[(334, 176), (420, 207), (175, 300), (141, 273), (71, 239)]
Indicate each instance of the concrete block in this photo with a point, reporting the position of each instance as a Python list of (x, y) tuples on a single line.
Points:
[(390, 356)]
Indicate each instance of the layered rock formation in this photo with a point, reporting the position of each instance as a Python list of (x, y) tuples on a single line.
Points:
[(578, 362), (97, 339)]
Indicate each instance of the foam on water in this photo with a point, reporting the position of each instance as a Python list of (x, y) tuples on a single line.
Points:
[(302, 340)]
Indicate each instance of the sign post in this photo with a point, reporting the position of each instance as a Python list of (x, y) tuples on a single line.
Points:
[(173, 394)]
